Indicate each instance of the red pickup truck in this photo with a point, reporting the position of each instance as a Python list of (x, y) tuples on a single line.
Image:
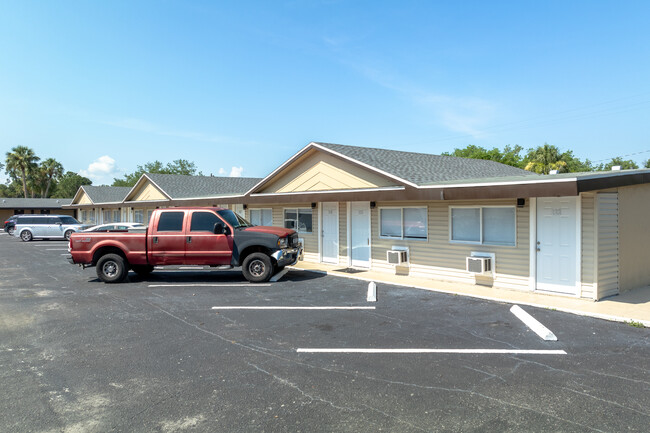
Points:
[(188, 236)]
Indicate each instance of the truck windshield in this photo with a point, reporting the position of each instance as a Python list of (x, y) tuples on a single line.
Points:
[(234, 219)]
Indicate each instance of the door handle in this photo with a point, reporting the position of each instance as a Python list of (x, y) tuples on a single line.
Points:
[(189, 239), (155, 239)]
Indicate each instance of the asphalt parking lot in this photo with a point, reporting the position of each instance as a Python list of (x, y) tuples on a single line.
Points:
[(184, 350)]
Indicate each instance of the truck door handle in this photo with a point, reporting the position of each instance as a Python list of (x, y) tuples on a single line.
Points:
[(155, 239), (189, 239)]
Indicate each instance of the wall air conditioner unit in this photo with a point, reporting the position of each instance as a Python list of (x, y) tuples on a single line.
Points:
[(479, 265), (397, 257)]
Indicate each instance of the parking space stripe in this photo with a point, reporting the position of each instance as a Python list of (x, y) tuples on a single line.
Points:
[(56, 249), (210, 285), (533, 323), (279, 275), (289, 308), (450, 351)]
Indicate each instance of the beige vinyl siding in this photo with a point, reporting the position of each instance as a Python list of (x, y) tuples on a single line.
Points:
[(310, 240), (588, 247), (634, 209), (608, 259), (438, 258)]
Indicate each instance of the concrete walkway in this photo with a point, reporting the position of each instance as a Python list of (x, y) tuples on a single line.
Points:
[(630, 306)]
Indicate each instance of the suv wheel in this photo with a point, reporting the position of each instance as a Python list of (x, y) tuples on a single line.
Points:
[(67, 234), (111, 268), (10, 230), (257, 268), (26, 236)]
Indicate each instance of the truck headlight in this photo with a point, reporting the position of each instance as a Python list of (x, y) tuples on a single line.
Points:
[(282, 242)]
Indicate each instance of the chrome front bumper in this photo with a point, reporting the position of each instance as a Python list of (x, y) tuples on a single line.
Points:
[(288, 256)]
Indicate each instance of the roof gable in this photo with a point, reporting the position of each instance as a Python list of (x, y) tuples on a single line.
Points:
[(320, 171)]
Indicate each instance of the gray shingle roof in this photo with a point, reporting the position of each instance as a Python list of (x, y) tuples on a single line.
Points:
[(33, 203), (180, 186), (426, 169), (106, 194)]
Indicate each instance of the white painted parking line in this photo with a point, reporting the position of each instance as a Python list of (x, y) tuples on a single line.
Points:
[(56, 249), (290, 308), (279, 275), (533, 323), (451, 351), (210, 285)]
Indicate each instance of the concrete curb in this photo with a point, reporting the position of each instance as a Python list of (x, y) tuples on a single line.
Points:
[(608, 317)]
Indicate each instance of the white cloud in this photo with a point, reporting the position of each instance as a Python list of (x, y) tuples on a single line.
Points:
[(236, 171), (100, 171)]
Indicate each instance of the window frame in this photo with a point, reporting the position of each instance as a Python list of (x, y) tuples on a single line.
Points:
[(262, 209), (480, 220), (298, 209), (402, 237)]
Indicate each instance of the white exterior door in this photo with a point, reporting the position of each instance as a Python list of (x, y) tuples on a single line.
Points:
[(360, 234), (556, 245), (330, 233)]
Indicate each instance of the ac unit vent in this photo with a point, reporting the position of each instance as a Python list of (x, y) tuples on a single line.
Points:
[(396, 257), (479, 265)]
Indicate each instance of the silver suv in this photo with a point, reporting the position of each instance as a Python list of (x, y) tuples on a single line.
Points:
[(29, 227)]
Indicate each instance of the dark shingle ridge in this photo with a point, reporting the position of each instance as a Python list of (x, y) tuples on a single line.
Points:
[(184, 186), (424, 168), (106, 194)]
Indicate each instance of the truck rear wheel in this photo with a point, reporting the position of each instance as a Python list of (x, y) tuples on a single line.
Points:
[(111, 268), (257, 268)]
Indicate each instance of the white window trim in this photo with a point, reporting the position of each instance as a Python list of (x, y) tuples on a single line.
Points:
[(401, 208), (298, 209), (480, 221), (263, 209)]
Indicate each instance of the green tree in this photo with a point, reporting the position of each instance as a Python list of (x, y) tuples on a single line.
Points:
[(544, 159), (179, 166), (69, 184), (646, 163), (51, 170), (510, 155), (575, 165), (21, 161), (626, 164)]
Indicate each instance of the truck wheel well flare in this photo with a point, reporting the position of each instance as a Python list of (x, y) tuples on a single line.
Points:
[(254, 249), (107, 250)]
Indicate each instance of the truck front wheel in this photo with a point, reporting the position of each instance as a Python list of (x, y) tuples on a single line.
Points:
[(257, 268), (111, 268)]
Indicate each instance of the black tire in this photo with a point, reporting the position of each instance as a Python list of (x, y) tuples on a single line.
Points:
[(142, 270), (257, 268), (67, 234), (112, 268), (26, 236), (10, 231)]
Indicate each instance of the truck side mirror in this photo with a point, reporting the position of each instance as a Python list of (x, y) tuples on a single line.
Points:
[(218, 229)]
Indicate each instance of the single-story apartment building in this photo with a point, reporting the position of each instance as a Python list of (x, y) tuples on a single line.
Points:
[(448, 218), (106, 204), (19, 206)]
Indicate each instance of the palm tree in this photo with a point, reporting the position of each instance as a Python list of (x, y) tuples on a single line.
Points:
[(52, 170), (20, 161), (544, 159)]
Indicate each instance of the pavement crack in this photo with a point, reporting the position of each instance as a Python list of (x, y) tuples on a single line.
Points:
[(613, 403), (297, 388)]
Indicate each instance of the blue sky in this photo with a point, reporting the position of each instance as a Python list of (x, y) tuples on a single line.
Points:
[(239, 87)]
